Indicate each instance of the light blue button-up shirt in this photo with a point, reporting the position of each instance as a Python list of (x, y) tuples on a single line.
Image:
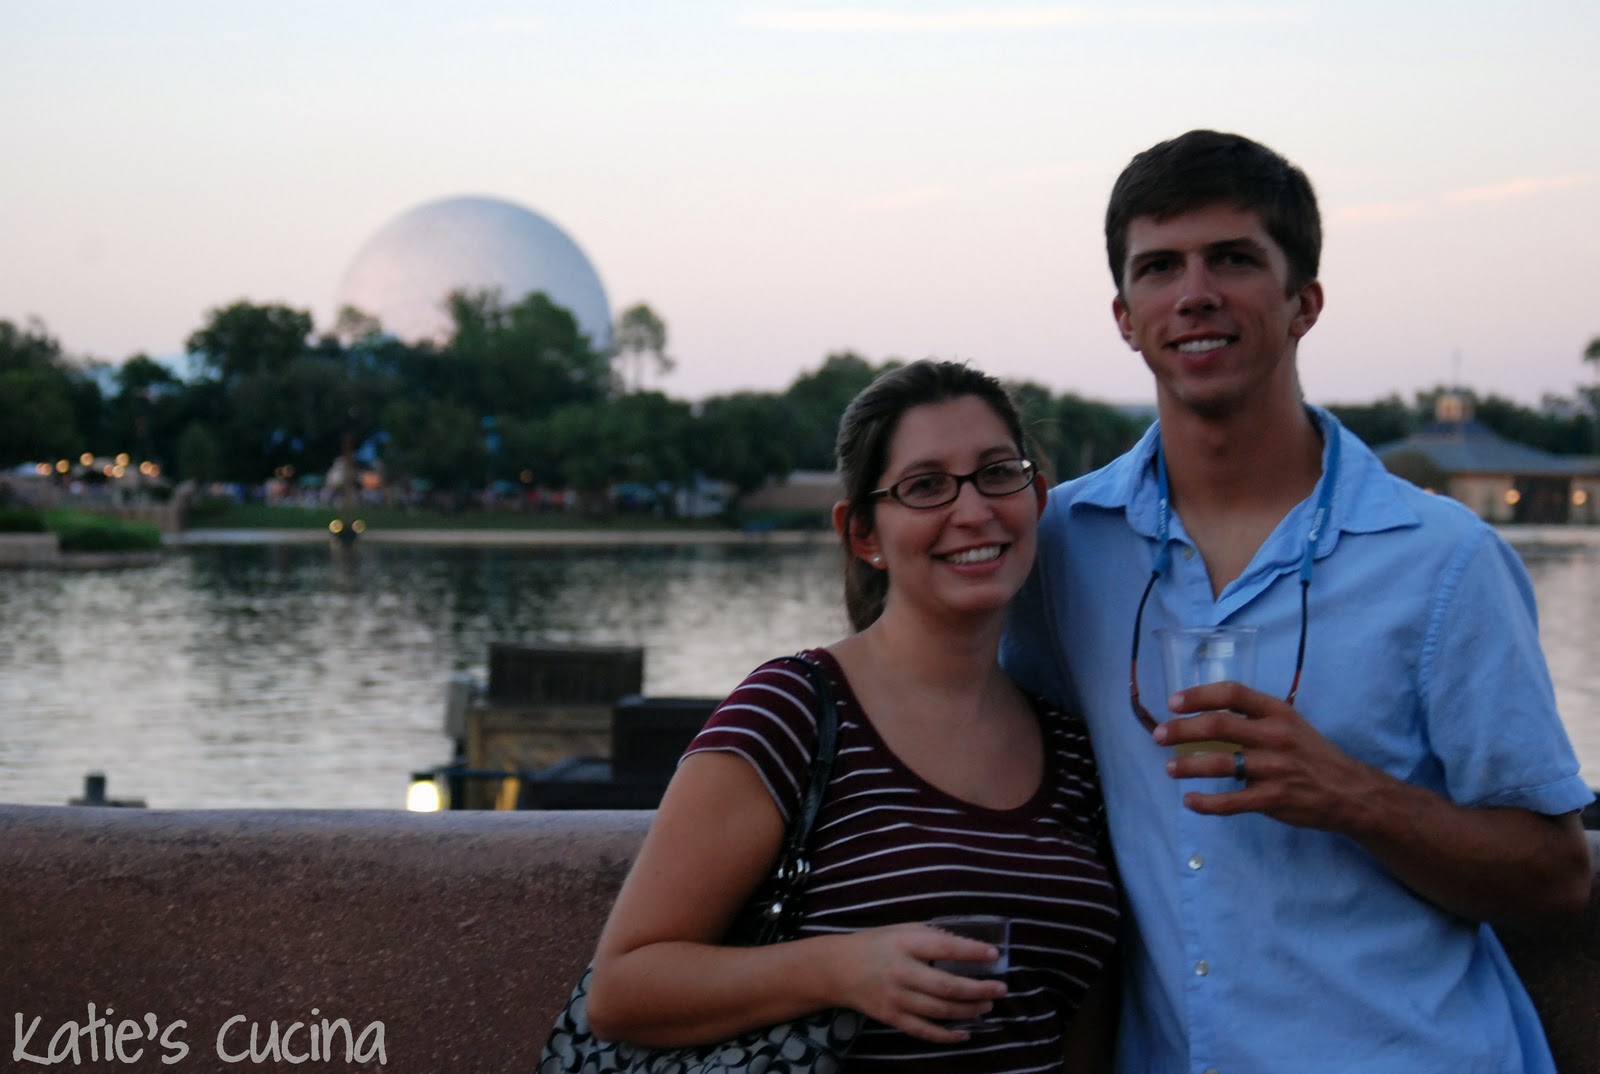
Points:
[(1262, 948)]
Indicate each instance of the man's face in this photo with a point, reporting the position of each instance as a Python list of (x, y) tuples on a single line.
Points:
[(1205, 299)]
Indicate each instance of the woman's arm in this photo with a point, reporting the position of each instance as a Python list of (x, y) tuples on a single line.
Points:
[(662, 978)]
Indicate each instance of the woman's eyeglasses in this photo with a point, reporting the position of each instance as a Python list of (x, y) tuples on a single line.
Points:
[(923, 491)]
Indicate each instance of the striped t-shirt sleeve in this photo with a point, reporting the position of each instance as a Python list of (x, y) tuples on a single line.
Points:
[(768, 720)]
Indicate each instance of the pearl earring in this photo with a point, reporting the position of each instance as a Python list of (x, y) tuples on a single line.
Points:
[(877, 561)]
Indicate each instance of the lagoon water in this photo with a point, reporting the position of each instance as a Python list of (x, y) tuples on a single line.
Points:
[(236, 676)]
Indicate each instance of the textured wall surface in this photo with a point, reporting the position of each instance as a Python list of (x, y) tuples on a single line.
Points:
[(460, 933)]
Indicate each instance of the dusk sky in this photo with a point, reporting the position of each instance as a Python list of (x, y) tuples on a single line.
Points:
[(781, 180)]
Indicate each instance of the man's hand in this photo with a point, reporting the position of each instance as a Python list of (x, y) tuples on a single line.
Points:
[(1292, 773), (1501, 865)]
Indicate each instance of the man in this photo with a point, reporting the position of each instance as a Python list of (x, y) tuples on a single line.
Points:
[(1317, 898)]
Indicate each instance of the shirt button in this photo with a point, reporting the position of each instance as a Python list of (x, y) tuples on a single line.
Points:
[(1188, 553), (1196, 861), (1212, 1070), (1202, 968)]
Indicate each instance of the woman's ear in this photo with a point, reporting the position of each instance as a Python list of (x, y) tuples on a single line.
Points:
[(862, 541)]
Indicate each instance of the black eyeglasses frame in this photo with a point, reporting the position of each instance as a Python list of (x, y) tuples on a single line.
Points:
[(1029, 471)]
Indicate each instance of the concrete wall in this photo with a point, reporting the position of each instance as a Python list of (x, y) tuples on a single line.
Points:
[(29, 549), (461, 933)]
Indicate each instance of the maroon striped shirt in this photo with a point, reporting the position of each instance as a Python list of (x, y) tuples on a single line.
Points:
[(890, 848)]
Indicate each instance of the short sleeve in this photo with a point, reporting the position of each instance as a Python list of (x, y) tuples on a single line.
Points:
[(770, 721), (1491, 710)]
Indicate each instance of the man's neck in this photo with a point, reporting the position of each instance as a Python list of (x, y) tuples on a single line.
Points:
[(1241, 462), (1232, 480)]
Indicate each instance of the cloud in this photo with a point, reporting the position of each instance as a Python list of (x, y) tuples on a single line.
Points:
[(506, 24), (1516, 188), (1477, 195), (909, 198), (1020, 17)]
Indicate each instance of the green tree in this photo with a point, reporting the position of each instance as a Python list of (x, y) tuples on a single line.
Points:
[(245, 339), (198, 454), (146, 415), (1075, 435), (42, 398), (744, 439), (1380, 422), (640, 334), (524, 360), (816, 401), (644, 438)]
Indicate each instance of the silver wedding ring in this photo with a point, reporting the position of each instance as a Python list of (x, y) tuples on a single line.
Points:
[(1238, 765)]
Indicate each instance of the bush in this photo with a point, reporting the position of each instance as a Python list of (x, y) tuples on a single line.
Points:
[(21, 520), (79, 532)]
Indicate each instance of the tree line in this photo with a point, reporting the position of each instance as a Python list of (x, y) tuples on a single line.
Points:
[(519, 395)]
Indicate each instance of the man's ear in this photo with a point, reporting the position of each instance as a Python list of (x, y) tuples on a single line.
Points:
[(1119, 310), (1310, 298)]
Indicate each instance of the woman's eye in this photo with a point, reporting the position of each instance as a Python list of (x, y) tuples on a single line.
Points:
[(925, 485)]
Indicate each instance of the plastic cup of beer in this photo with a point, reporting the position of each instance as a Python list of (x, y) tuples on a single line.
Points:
[(992, 930), (1194, 656)]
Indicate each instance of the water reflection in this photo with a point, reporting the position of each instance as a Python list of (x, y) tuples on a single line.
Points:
[(286, 675), (293, 675)]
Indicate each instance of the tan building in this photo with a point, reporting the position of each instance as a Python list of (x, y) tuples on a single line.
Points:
[(1499, 479)]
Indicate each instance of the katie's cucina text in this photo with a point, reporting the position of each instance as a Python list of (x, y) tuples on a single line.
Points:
[(103, 1037)]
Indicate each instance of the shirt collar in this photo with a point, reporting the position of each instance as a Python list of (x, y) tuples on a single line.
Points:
[(1366, 501)]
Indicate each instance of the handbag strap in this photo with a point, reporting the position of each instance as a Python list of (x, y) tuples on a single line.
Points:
[(799, 837), (778, 910)]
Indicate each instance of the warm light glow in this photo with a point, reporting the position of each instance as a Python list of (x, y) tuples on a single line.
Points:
[(336, 525), (1513, 496), (1579, 497), (122, 459), (106, 469), (359, 526), (43, 469), (63, 466), (423, 794), (118, 470), (86, 459)]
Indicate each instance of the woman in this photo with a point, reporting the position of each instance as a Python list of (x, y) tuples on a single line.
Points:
[(952, 791)]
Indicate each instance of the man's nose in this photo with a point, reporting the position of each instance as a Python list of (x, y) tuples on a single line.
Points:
[(1197, 290)]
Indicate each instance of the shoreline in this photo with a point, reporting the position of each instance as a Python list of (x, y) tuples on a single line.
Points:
[(507, 538), (1514, 535)]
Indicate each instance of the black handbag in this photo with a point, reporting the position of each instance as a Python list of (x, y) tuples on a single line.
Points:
[(814, 1043)]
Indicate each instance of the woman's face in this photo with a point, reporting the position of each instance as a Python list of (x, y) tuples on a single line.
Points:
[(972, 554)]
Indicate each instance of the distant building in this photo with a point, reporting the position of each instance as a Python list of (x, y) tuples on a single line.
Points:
[(1499, 479), (802, 490)]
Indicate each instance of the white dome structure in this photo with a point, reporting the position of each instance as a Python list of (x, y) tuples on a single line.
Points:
[(405, 272)]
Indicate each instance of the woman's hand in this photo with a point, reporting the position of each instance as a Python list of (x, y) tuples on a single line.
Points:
[(885, 974)]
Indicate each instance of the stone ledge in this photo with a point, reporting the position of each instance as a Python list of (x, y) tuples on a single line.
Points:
[(461, 932), (29, 549)]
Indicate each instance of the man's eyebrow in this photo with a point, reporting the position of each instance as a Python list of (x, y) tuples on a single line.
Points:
[(1241, 243)]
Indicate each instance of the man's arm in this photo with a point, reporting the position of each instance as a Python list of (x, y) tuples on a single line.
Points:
[(1506, 866)]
